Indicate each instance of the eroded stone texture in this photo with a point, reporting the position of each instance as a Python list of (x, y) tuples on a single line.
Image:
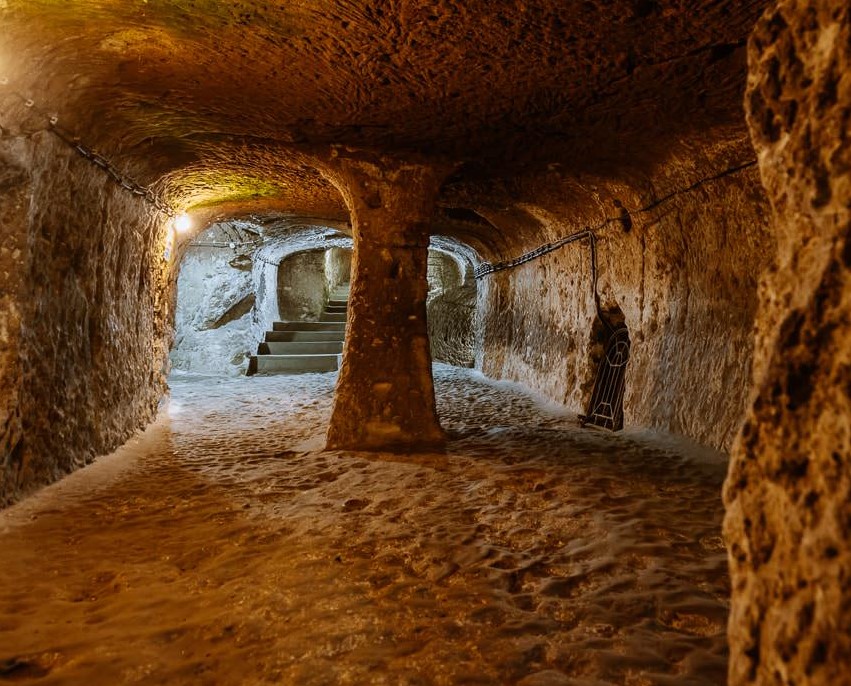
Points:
[(338, 267), (237, 278), (550, 112), (788, 494), (385, 394), (467, 78), (302, 286), (555, 116), (683, 273), (214, 322), (596, 95), (451, 310), (91, 308), (14, 204)]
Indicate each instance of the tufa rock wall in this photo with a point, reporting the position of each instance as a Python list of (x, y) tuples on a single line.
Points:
[(228, 297), (788, 493), (451, 310), (681, 275), (338, 267), (15, 191), (215, 301), (302, 286), (86, 309)]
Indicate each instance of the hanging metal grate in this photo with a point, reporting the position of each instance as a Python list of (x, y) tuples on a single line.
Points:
[(606, 408)]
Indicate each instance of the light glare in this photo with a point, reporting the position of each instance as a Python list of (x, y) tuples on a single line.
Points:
[(182, 223)]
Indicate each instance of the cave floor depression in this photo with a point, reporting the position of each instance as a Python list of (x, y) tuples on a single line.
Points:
[(221, 546)]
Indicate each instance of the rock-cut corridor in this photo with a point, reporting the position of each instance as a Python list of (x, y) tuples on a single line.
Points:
[(221, 547), (570, 286)]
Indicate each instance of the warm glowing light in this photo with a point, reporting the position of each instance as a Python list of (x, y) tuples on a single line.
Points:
[(182, 223)]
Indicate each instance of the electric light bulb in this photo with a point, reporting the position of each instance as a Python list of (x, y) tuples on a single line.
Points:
[(182, 223)]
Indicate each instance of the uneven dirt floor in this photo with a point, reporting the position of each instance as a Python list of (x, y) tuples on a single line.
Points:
[(222, 547)]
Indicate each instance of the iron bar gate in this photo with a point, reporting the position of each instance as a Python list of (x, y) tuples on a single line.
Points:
[(606, 407)]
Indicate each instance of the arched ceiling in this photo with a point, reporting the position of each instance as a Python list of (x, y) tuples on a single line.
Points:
[(224, 102)]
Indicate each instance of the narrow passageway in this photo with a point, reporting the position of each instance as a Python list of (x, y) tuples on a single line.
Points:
[(223, 547)]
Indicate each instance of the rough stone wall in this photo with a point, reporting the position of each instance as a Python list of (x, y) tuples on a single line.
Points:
[(338, 267), (444, 274), (15, 183), (89, 307), (229, 297), (536, 329), (683, 273), (214, 317), (302, 286), (788, 493), (450, 321), (451, 310)]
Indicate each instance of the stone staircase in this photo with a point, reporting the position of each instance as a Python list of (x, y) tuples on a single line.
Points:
[(302, 347)]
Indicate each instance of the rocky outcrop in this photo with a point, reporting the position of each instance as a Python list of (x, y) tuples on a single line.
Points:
[(86, 313), (788, 494)]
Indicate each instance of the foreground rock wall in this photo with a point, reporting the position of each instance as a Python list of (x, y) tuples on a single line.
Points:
[(15, 190), (86, 309), (681, 275), (788, 494)]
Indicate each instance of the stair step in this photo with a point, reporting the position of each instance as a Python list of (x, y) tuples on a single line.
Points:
[(305, 336), (310, 326), (301, 348), (305, 347), (292, 364)]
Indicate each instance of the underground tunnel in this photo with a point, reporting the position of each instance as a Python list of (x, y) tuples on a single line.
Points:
[(425, 342)]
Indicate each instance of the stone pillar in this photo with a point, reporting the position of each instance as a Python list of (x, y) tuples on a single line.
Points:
[(788, 493), (385, 393)]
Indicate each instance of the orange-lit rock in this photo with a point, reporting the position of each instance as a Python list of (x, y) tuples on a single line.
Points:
[(385, 395), (706, 142), (788, 493)]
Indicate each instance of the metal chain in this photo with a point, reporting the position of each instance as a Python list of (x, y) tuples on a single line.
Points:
[(255, 244), (125, 181), (487, 268)]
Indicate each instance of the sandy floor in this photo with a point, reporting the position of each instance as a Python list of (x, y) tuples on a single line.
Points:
[(221, 547)]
